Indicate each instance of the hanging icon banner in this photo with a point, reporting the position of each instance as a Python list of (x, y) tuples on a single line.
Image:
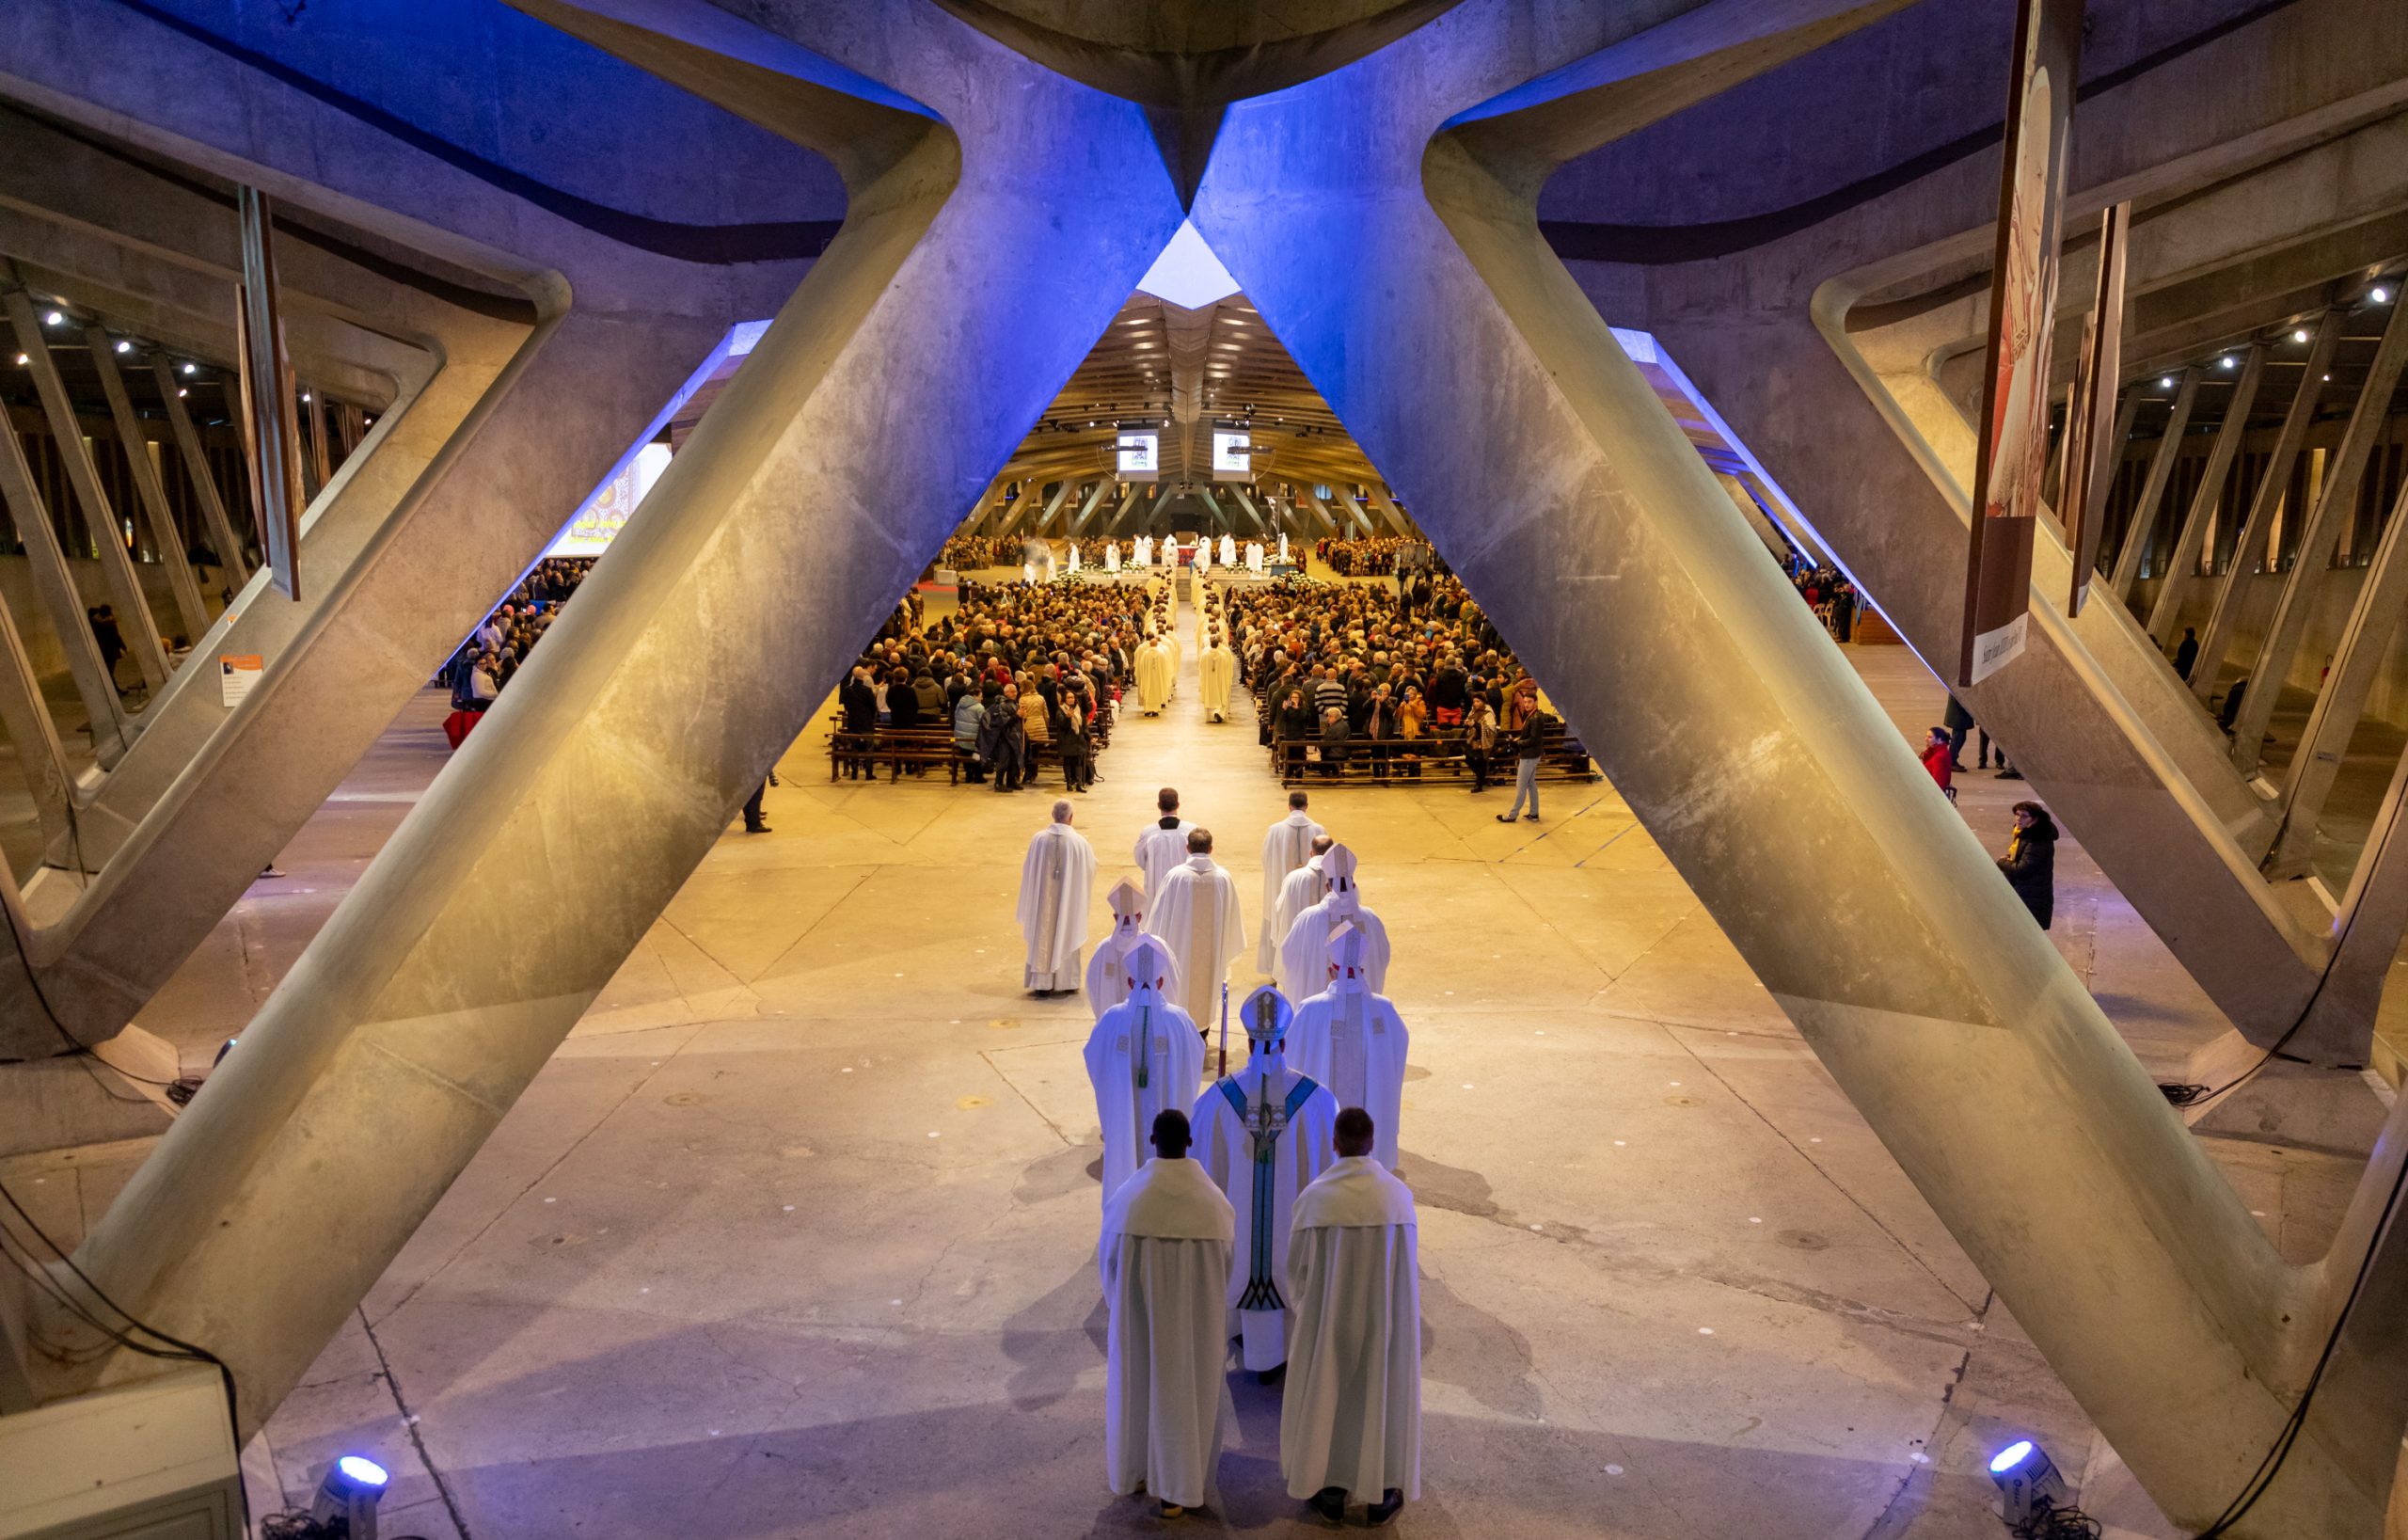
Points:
[(2024, 290)]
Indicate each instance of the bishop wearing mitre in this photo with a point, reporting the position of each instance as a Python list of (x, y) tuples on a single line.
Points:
[(1353, 1041), (1108, 976), (1303, 952), (1144, 1059)]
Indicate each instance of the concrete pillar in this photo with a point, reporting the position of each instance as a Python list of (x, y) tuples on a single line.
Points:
[(2342, 701), (2160, 470), (566, 340), (2183, 568), (204, 484), (146, 490), (971, 278), (2336, 504), (134, 621), (1546, 472), (2225, 615), (1238, 491), (62, 604), (26, 719), (1095, 494)]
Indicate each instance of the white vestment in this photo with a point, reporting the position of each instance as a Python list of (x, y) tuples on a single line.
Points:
[(1254, 557), (1203, 557), (1027, 572), (1216, 669), (1144, 550), (1074, 558), (1304, 955), (1301, 890), (1228, 551), (1195, 912), (1056, 888), (1283, 548), (1154, 674), (1143, 1057), (1049, 564), (1112, 557), (1296, 1120), (1167, 1234), (1108, 969), (1159, 850), (1354, 1042), (1350, 1414), (1286, 847)]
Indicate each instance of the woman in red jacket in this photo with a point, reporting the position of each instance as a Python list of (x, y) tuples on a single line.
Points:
[(1940, 760)]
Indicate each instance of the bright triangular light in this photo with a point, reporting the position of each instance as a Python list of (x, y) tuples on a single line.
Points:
[(1187, 273)]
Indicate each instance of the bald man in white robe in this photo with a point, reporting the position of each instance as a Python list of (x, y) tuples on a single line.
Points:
[(1298, 891), (1108, 976), (1142, 1059), (1350, 1414), (1056, 889), (1196, 913), (1165, 1261), (1304, 953), (1287, 846)]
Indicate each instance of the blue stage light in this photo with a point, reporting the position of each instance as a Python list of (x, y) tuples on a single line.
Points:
[(2011, 1457)]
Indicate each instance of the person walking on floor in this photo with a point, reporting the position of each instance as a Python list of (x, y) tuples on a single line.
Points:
[(1528, 748), (1480, 741)]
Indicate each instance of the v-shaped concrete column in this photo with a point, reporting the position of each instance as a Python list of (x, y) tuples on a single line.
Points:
[(540, 332), (980, 259), (1544, 470)]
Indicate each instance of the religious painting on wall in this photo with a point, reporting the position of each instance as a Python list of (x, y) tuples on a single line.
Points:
[(2092, 444), (2023, 290)]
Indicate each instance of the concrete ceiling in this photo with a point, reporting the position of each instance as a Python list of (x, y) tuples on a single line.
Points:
[(1182, 371)]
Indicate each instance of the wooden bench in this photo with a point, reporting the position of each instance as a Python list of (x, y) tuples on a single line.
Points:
[(1433, 756), (894, 747)]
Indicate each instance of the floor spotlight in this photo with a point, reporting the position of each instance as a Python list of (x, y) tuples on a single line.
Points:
[(2029, 1488), (348, 1497)]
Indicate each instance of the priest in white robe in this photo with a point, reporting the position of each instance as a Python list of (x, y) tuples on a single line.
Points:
[(1112, 557), (1196, 913), (1263, 1134), (1162, 845), (1254, 557), (1303, 889), (1057, 888), (1216, 673), (1303, 952), (1203, 557), (1228, 551), (1350, 1415), (1108, 976), (1074, 556), (1286, 847), (1155, 671), (1353, 1041), (1142, 1059), (1168, 1237), (1144, 550)]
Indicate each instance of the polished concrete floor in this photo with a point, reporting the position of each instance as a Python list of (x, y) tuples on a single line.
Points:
[(794, 1236)]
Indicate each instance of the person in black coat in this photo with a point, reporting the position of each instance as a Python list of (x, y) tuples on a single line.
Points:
[(859, 702), (2031, 861)]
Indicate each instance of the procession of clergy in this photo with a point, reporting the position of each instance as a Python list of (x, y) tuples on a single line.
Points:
[(1285, 1229), (1039, 562)]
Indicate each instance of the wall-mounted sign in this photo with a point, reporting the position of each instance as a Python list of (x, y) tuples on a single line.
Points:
[(1140, 454), (1232, 455), (236, 674)]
